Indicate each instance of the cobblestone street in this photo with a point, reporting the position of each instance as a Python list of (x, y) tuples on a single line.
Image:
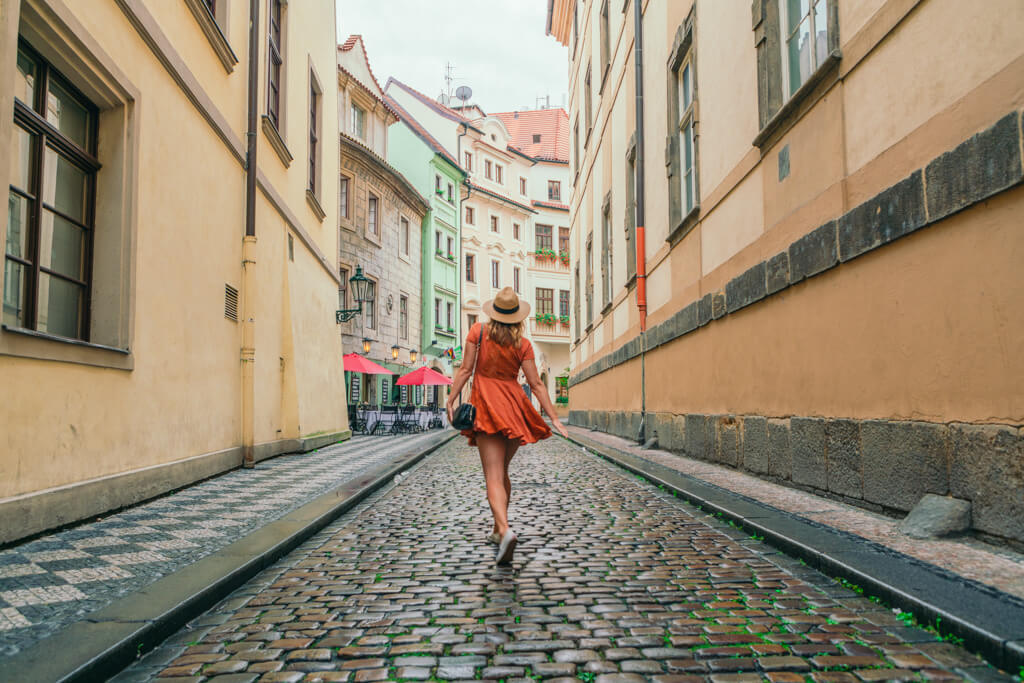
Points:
[(613, 580)]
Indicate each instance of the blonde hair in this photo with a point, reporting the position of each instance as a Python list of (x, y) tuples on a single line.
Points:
[(505, 334)]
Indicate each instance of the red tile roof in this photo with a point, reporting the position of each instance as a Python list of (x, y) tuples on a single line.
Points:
[(552, 125), (550, 205), (421, 132)]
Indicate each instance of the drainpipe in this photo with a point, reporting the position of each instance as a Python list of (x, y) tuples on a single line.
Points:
[(641, 248), (469, 191), (248, 356)]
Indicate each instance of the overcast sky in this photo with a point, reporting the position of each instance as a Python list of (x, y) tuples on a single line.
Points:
[(497, 47)]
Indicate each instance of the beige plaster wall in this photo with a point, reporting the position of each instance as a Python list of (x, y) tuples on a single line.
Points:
[(75, 422)]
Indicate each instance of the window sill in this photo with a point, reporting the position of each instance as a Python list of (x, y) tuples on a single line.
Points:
[(274, 137), (790, 112), (314, 204), (348, 224), (604, 78), (211, 29), (371, 238), (445, 260), (16, 341), (606, 310), (685, 226)]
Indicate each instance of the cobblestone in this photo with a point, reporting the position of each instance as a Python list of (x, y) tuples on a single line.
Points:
[(60, 578), (613, 580)]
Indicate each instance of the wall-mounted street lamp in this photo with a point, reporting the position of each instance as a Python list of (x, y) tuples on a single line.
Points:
[(362, 293), (412, 355), (366, 345), (394, 351)]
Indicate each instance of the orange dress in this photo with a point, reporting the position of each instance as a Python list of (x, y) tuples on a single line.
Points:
[(502, 406)]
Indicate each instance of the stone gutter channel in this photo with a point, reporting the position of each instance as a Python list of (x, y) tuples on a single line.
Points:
[(990, 621), (113, 637)]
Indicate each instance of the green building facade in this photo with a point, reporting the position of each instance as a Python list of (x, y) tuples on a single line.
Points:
[(436, 175)]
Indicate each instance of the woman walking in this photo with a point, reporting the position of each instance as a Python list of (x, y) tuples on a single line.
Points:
[(505, 418)]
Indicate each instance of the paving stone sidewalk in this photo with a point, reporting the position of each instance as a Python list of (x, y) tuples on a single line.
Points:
[(60, 578), (995, 566), (614, 581)]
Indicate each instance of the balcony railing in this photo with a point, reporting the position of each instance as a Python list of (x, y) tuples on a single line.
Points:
[(549, 260), (550, 328)]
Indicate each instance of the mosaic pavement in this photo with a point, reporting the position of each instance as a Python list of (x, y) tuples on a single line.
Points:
[(57, 579), (614, 581)]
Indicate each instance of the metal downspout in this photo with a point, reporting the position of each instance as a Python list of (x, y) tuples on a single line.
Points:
[(248, 355), (641, 246)]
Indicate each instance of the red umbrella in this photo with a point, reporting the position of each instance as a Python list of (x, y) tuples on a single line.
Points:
[(424, 375), (356, 363)]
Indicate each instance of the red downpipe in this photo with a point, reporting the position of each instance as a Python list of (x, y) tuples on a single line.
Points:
[(641, 248)]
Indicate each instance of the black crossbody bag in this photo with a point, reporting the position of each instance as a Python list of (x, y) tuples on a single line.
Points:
[(465, 414)]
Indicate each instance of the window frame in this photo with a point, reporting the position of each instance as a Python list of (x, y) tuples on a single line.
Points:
[(522, 186), (470, 216), (45, 137), (607, 271), (495, 274), (360, 133), (404, 235), (470, 260), (373, 215), (315, 184), (683, 128), (488, 169), (515, 280), (588, 94), (563, 303), (539, 238), (564, 235), (344, 196), (517, 232), (495, 222), (788, 91), (403, 316), (468, 156), (544, 300), (370, 307), (555, 196), (275, 62)]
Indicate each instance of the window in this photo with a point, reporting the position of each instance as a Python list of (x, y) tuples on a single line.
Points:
[(471, 319), (468, 161), (343, 197), (563, 241), (437, 311), (606, 253), (495, 227), (370, 306), (515, 279), (291, 248), (522, 186), (451, 246), (554, 191), (448, 314), (536, 138), (275, 68), (590, 279), (684, 104), (343, 289), (545, 301), (605, 49), (488, 169), (371, 217), (403, 316), (576, 303), (48, 257), (543, 234), (451, 192), (437, 242), (358, 129), (805, 41), (498, 171), (403, 234), (630, 222), (515, 231), (437, 184), (470, 215), (575, 27), (576, 148), (314, 135), (495, 275), (588, 103), (470, 268), (563, 303)]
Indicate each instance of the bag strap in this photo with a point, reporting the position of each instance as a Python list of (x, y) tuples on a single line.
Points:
[(479, 344)]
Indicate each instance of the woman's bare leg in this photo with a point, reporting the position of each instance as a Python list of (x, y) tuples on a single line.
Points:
[(511, 446), (492, 457)]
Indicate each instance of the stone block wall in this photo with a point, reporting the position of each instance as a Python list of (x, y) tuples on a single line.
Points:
[(882, 465)]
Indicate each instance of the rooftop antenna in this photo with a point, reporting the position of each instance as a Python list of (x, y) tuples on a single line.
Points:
[(449, 76), (464, 92)]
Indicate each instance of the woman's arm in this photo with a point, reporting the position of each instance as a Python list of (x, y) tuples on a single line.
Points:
[(541, 392), (461, 377)]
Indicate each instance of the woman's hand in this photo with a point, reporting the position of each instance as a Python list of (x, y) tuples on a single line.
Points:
[(450, 409), (560, 427)]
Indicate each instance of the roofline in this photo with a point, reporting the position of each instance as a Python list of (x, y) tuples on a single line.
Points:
[(444, 111), (426, 137), (352, 77)]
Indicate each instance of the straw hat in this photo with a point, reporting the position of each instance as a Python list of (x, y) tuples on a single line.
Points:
[(506, 307)]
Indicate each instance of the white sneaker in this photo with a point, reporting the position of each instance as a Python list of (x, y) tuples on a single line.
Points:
[(506, 548), (494, 538)]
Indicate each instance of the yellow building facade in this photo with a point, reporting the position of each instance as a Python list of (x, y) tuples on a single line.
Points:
[(147, 340), (828, 291)]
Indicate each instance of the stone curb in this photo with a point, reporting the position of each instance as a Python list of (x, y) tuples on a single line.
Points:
[(110, 639), (990, 622)]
